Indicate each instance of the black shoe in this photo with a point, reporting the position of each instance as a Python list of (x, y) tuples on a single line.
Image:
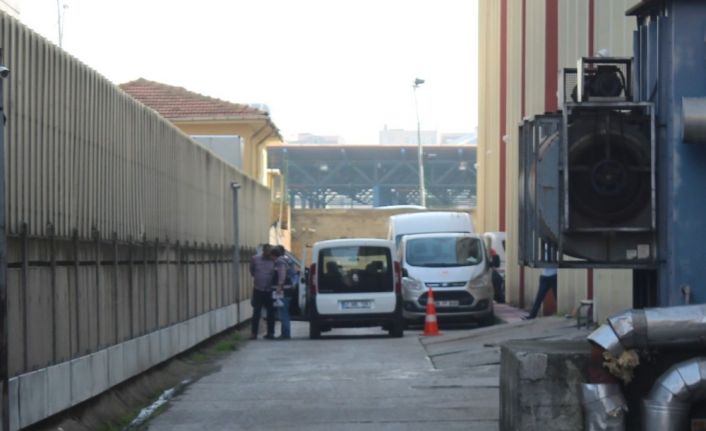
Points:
[(528, 317), (269, 337), (282, 337)]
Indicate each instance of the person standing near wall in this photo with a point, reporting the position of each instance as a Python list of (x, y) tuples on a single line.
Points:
[(261, 267), (547, 281)]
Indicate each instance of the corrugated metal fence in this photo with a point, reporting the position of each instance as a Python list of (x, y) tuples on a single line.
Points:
[(118, 224)]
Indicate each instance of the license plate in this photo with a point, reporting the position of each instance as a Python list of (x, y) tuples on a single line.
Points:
[(356, 305), (447, 303)]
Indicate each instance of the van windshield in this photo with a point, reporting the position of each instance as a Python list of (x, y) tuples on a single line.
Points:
[(355, 269), (444, 252)]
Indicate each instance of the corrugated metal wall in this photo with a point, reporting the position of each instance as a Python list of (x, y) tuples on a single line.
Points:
[(526, 95), (81, 154), (119, 225)]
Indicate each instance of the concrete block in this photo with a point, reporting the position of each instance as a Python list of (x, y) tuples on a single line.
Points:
[(130, 358), (143, 353), (539, 384), (81, 379), (231, 315), (191, 331), (213, 321), (58, 387), (99, 371), (533, 365), (183, 331), (169, 343), (204, 327), (155, 348), (13, 389), (164, 342), (33, 397), (116, 364)]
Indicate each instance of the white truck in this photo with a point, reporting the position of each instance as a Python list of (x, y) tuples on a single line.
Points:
[(439, 250)]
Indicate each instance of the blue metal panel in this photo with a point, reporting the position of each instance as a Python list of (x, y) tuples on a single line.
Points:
[(682, 167)]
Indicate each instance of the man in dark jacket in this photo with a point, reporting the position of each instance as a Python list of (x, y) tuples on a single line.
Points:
[(261, 268)]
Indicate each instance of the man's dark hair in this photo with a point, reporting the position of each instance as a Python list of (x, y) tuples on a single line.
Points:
[(277, 251)]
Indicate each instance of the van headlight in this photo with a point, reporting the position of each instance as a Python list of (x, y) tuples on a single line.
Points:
[(482, 284), (412, 284)]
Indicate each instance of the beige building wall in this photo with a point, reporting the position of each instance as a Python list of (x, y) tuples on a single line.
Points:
[(612, 288), (312, 225), (256, 136)]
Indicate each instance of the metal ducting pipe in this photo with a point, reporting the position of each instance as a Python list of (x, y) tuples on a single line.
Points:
[(653, 327), (668, 404), (604, 407)]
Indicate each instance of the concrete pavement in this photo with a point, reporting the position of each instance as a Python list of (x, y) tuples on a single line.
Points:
[(358, 379)]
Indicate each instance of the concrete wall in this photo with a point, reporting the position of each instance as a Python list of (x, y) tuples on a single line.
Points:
[(312, 225), (518, 63)]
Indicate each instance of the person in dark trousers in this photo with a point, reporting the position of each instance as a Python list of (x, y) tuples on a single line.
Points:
[(282, 302), (546, 281), (497, 279), (261, 268)]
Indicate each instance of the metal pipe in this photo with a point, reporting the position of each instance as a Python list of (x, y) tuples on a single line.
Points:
[(668, 404), (604, 407), (654, 327)]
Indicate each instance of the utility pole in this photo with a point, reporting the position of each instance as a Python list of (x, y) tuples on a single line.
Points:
[(420, 152), (236, 249), (4, 349)]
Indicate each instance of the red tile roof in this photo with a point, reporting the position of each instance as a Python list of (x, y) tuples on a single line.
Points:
[(177, 103)]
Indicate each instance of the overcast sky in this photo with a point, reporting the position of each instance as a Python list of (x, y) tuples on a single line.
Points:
[(335, 67)]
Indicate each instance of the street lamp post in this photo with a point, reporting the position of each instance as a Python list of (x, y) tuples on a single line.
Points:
[(420, 153)]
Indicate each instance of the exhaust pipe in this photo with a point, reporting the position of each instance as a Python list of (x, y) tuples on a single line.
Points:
[(668, 404), (604, 407), (653, 327)]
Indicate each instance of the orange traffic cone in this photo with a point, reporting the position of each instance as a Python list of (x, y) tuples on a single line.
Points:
[(431, 327)]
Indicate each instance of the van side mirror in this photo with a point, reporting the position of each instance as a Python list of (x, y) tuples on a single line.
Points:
[(494, 261), (405, 273)]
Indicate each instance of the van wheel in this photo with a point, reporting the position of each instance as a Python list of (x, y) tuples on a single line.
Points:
[(314, 330), (397, 329), (488, 320)]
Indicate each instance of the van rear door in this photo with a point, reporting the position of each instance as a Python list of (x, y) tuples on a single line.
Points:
[(355, 279)]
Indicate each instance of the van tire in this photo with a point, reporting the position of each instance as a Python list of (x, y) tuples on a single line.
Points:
[(314, 330), (397, 329), (488, 320)]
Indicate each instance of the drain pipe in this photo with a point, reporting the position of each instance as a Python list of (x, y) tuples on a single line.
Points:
[(668, 404)]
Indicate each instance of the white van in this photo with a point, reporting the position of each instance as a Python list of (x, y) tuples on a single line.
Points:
[(354, 283), (456, 267), (428, 222)]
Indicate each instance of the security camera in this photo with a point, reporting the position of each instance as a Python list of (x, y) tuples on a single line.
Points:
[(4, 72)]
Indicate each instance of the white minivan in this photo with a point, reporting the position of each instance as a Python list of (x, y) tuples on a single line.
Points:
[(428, 222), (354, 283), (456, 267)]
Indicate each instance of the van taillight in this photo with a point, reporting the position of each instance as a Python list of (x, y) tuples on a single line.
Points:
[(312, 279), (398, 277)]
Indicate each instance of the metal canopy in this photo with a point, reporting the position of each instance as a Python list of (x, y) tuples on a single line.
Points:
[(321, 176)]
